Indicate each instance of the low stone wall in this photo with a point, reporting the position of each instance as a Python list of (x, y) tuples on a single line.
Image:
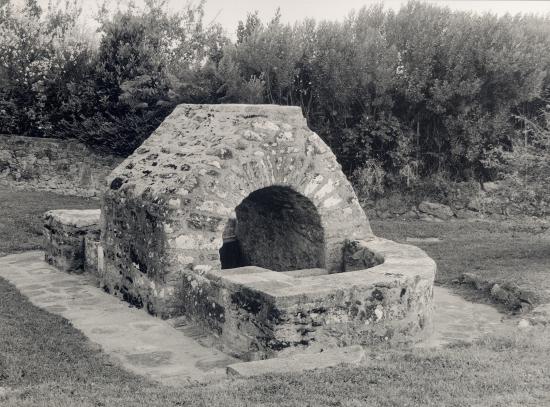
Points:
[(63, 166), (497, 200), (67, 235), (260, 313)]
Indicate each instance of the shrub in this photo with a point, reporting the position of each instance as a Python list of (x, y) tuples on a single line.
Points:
[(420, 92), (40, 52), (148, 61), (369, 180)]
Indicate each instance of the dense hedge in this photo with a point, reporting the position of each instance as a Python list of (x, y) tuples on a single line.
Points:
[(398, 96)]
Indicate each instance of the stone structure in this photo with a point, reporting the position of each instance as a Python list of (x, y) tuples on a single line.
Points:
[(240, 218), (67, 232), (63, 166)]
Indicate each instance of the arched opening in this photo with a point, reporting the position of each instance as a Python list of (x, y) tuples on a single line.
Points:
[(276, 228)]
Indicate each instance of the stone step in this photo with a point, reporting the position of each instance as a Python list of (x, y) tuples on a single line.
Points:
[(299, 362)]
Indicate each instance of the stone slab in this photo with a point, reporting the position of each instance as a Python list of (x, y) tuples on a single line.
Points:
[(139, 342), (458, 320), (299, 362), (423, 240), (76, 217)]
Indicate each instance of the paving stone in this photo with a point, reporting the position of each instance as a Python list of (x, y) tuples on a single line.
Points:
[(150, 359), (458, 320), (299, 363)]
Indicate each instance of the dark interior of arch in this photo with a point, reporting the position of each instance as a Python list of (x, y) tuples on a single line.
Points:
[(276, 228)]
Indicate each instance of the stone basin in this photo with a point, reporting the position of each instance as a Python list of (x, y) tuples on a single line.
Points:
[(276, 313)]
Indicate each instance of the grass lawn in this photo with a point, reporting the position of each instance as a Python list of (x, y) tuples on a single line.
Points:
[(44, 361), (517, 252)]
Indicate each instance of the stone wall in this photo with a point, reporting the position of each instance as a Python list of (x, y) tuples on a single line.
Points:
[(63, 166), (263, 314), (497, 200), (139, 233)]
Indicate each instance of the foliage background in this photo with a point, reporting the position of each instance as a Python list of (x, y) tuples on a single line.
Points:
[(403, 98)]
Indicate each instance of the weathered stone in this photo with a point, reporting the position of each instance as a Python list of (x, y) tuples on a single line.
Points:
[(65, 232), (384, 214), (92, 253), (508, 294), (504, 296), (437, 210), (299, 363), (358, 257), (250, 244), (491, 186), (466, 214), (412, 214), (479, 282), (475, 205)]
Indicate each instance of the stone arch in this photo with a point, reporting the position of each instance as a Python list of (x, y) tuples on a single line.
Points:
[(275, 228), (186, 180)]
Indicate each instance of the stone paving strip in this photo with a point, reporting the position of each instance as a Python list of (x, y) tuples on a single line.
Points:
[(141, 343), (458, 320), (156, 349)]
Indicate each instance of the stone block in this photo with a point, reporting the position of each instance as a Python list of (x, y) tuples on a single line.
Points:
[(65, 232), (64, 166), (358, 257), (436, 210), (92, 254), (299, 362)]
